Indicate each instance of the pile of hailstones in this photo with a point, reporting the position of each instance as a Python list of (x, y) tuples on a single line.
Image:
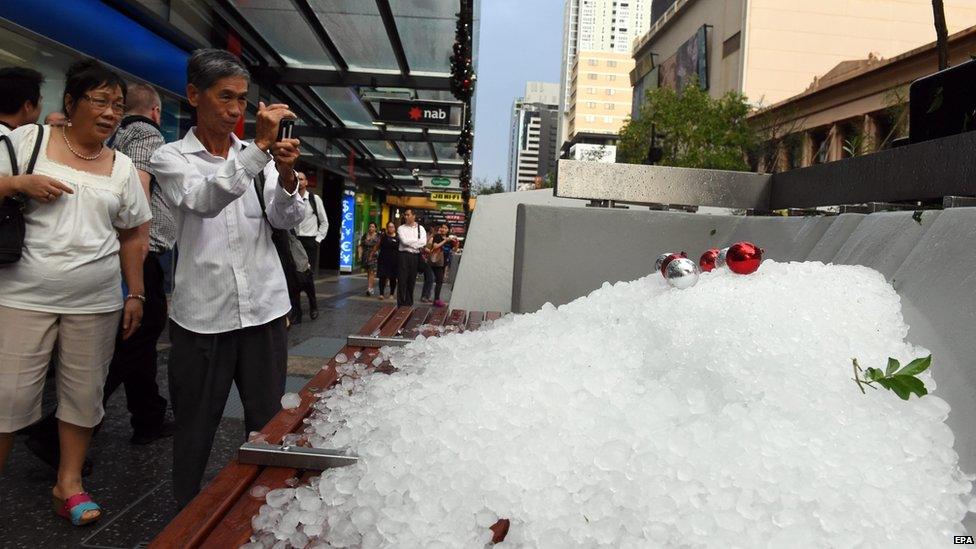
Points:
[(681, 272), (719, 416)]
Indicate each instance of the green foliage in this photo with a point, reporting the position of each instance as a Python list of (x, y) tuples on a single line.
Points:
[(700, 132), (483, 187), (901, 381)]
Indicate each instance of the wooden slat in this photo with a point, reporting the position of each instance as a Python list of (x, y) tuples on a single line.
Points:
[(376, 321), (492, 315), (436, 317), (416, 319), (474, 321), (195, 522), (396, 321), (456, 319), (234, 529)]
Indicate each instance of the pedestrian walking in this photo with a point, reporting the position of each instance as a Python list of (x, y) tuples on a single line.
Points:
[(438, 243), (134, 359), (369, 245), (311, 232), (20, 97), (425, 268), (83, 213), (413, 238), (387, 260), (229, 305)]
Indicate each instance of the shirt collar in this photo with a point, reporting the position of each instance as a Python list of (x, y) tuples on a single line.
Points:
[(191, 145)]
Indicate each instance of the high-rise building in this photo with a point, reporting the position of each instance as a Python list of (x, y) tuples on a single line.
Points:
[(770, 50), (533, 140), (599, 26)]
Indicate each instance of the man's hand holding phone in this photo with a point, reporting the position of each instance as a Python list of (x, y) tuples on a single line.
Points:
[(274, 129)]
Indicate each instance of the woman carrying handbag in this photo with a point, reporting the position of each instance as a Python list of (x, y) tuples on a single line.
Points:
[(85, 213)]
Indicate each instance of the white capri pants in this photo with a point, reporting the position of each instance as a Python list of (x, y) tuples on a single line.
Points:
[(85, 344)]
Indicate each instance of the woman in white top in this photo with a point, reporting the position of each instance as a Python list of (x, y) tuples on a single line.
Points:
[(84, 209)]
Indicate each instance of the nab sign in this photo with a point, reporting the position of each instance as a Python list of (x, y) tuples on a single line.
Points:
[(439, 114)]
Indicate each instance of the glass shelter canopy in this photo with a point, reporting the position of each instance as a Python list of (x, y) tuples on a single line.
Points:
[(332, 60)]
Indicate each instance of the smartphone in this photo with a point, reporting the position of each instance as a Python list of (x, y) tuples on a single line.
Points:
[(285, 128)]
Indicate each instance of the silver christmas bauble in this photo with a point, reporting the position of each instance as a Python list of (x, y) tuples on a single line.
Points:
[(660, 261), (720, 260), (682, 273)]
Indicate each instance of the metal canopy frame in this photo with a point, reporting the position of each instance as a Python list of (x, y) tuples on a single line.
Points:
[(295, 82)]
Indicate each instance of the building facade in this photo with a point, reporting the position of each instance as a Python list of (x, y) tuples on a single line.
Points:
[(858, 107), (533, 136), (597, 25), (600, 100), (770, 50)]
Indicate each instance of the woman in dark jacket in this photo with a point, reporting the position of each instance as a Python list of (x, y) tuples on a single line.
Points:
[(387, 262)]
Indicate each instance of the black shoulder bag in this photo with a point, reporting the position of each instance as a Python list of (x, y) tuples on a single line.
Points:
[(278, 236), (12, 226)]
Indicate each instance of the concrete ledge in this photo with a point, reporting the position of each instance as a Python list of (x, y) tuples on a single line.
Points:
[(661, 184)]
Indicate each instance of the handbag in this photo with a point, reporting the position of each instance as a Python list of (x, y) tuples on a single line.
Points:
[(12, 225), (436, 258)]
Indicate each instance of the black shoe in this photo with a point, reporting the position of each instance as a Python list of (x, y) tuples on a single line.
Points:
[(313, 314), (50, 454), (164, 431)]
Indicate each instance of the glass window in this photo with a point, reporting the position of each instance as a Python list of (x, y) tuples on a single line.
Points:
[(285, 29), (415, 150), (427, 29), (382, 150), (345, 103), (358, 32), (591, 76), (611, 77)]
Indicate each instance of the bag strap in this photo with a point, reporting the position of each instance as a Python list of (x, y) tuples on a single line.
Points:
[(14, 169), (259, 188), (315, 208), (37, 149)]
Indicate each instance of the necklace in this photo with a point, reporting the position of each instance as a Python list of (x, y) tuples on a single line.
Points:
[(64, 133)]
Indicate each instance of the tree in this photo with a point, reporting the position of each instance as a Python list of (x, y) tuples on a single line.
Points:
[(481, 186), (941, 34), (699, 132)]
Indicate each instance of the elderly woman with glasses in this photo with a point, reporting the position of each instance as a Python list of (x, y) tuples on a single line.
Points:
[(85, 212)]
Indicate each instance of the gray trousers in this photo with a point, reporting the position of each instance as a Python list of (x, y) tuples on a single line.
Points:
[(201, 370)]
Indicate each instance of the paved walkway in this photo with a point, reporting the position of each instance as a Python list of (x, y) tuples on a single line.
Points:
[(133, 482)]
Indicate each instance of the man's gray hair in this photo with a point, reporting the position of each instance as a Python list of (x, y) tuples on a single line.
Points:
[(207, 66)]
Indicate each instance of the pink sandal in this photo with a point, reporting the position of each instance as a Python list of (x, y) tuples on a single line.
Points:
[(74, 508)]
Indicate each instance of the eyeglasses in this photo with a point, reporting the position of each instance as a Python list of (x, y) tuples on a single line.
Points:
[(103, 103)]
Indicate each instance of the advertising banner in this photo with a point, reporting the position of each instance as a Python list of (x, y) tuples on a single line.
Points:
[(691, 60), (346, 232)]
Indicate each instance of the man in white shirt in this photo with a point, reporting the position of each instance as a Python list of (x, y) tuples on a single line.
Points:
[(311, 232), (413, 238), (20, 102), (230, 299)]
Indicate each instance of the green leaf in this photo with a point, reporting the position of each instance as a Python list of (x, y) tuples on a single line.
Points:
[(892, 366), (916, 366), (914, 385), (895, 385), (874, 374)]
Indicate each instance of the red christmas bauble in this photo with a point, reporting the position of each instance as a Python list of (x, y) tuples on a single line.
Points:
[(707, 261), (744, 257), (669, 259)]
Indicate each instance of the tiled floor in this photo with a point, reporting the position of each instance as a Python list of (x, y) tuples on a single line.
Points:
[(133, 482)]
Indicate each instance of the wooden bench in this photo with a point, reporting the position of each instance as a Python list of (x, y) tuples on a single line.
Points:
[(220, 516)]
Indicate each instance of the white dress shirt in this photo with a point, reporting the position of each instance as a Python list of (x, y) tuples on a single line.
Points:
[(309, 225), (228, 275), (412, 238)]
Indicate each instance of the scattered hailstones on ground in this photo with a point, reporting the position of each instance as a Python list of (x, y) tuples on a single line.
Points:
[(722, 415)]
